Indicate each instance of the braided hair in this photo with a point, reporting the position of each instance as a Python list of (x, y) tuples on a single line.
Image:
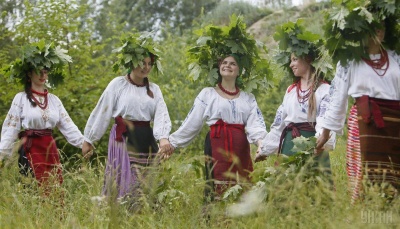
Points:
[(149, 92), (28, 90)]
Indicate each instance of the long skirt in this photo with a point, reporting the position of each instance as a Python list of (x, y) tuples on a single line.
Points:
[(377, 156), (124, 167), (41, 158), (228, 160), (373, 152)]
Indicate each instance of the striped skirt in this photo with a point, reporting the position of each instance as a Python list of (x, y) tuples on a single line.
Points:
[(373, 152), (353, 155), (124, 169)]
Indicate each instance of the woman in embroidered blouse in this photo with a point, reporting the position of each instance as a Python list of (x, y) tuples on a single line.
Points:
[(305, 101), (373, 139), (36, 112), (133, 102), (303, 106), (234, 119)]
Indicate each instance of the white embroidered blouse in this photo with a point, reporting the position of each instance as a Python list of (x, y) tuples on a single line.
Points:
[(292, 111), (121, 98), (357, 79), (210, 107), (23, 116)]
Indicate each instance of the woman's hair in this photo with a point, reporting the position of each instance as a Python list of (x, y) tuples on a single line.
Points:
[(149, 92), (28, 90), (315, 78), (146, 79)]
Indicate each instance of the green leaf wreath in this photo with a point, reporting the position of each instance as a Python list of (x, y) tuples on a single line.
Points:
[(135, 47), (351, 22), (38, 56), (216, 42), (294, 38)]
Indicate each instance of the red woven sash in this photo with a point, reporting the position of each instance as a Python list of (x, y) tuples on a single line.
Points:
[(29, 134)]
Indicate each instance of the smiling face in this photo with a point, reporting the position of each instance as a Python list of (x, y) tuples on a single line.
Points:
[(38, 79), (142, 72), (229, 68), (299, 66)]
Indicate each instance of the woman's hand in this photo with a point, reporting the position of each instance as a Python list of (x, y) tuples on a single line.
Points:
[(87, 149), (321, 140), (260, 157), (166, 149)]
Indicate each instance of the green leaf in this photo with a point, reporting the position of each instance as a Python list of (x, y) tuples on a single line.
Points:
[(62, 54), (213, 76), (339, 17), (203, 40), (195, 71)]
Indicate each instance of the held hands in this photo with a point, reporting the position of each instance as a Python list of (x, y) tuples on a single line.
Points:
[(87, 150), (321, 140), (166, 149), (259, 156)]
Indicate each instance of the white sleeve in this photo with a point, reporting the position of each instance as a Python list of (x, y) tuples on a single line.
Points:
[(335, 114), (270, 143), (68, 128), (255, 125), (11, 126), (323, 106), (193, 123), (162, 121), (397, 59), (100, 117)]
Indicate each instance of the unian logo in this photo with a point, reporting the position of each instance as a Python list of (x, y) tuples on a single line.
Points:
[(376, 217)]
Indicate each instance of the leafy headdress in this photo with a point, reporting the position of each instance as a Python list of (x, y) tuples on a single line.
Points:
[(351, 22), (294, 38), (135, 47), (217, 42), (38, 56)]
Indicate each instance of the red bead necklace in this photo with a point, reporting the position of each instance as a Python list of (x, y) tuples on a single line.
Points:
[(301, 97), (229, 92), (379, 63), (44, 94), (131, 81)]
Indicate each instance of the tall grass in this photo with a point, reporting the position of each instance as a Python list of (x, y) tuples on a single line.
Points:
[(174, 199)]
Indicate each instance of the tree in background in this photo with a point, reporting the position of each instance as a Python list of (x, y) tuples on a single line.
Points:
[(152, 15)]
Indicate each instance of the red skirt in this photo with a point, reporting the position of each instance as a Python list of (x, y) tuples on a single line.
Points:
[(44, 160), (230, 154)]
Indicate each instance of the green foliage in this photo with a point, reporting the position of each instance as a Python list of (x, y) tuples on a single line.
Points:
[(38, 56), (220, 15), (293, 38), (135, 47), (350, 24), (289, 203), (217, 42), (155, 15)]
